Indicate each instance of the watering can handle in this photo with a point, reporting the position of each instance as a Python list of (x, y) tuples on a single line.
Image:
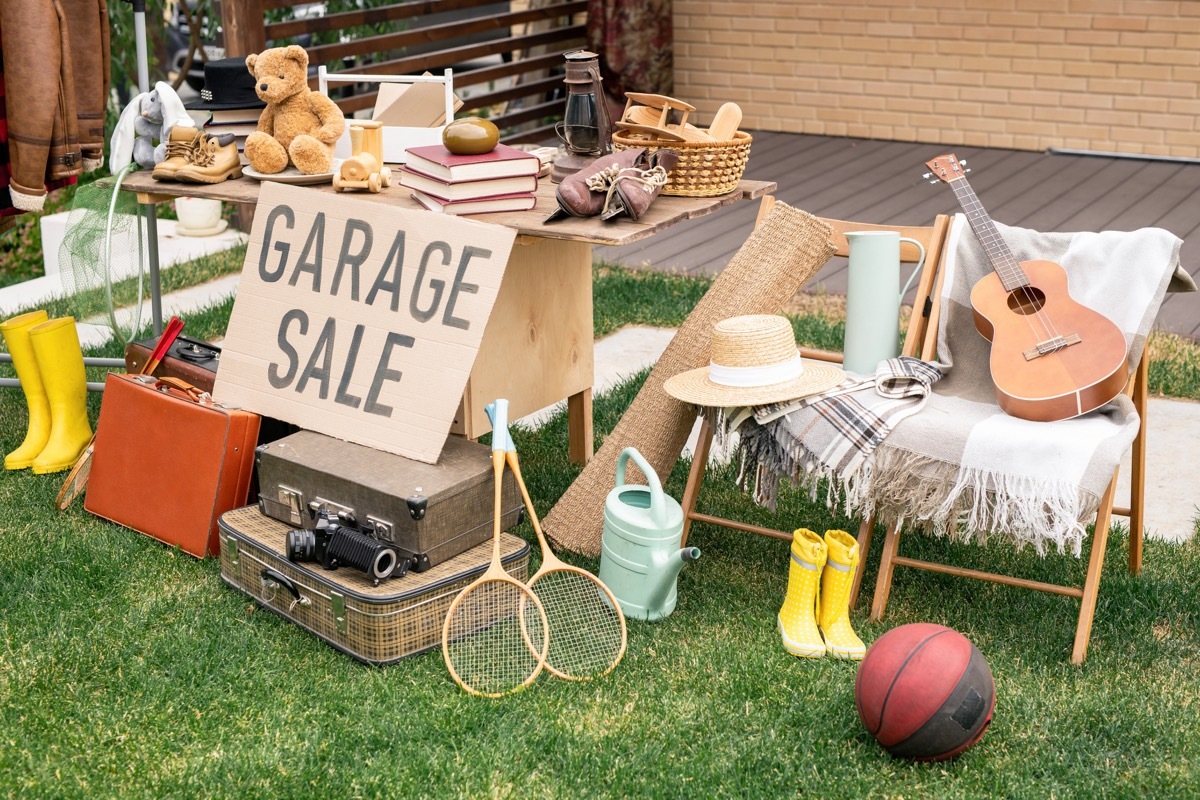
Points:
[(658, 507), (917, 268)]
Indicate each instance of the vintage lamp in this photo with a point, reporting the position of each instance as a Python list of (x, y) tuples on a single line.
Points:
[(586, 129)]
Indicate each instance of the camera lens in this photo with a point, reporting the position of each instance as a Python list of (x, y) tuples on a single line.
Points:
[(384, 564), (301, 545)]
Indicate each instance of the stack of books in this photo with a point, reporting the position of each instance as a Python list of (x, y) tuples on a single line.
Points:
[(504, 179), (241, 122)]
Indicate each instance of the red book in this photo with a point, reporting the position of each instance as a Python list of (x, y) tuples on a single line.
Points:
[(466, 190), (502, 162), (523, 201)]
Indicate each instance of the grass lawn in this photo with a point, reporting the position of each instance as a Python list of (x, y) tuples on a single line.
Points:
[(128, 669)]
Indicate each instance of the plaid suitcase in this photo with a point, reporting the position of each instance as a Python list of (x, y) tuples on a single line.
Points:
[(376, 624), (430, 512)]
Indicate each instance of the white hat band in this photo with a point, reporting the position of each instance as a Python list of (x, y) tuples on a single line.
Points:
[(765, 375)]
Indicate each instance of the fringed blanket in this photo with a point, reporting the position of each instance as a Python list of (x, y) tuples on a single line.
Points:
[(964, 468), (830, 435)]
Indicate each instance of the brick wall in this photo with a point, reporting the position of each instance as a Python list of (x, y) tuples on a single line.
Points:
[(1117, 75)]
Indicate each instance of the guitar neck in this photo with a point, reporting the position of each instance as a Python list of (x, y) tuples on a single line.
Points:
[(1003, 261)]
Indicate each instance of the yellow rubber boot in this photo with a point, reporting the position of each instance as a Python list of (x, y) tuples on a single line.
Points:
[(797, 619), (60, 361), (16, 337), (840, 638)]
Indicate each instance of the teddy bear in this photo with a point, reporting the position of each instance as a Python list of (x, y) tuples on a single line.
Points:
[(298, 126)]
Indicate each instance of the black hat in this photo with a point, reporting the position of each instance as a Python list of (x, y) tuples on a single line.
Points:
[(228, 85)]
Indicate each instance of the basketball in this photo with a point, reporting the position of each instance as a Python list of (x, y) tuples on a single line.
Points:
[(924, 692)]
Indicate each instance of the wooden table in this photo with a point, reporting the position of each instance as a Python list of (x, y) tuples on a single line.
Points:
[(537, 346)]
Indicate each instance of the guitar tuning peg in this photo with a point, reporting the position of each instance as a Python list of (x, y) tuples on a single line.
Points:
[(927, 175), (965, 171), (962, 161)]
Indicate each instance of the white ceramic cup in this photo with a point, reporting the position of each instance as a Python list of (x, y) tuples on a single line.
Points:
[(198, 213)]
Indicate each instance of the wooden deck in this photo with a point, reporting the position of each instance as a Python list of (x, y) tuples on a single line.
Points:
[(878, 181)]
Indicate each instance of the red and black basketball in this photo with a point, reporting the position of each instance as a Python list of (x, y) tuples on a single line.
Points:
[(925, 692)]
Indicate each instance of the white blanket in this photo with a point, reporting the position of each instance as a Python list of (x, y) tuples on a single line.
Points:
[(967, 469)]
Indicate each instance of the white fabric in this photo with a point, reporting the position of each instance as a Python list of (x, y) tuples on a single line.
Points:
[(764, 375)]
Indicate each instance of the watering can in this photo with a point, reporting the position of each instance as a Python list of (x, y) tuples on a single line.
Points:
[(872, 299), (640, 557)]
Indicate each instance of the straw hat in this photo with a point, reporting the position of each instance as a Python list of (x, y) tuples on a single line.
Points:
[(753, 361)]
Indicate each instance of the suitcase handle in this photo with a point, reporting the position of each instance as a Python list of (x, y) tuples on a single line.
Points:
[(178, 386), (278, 577)]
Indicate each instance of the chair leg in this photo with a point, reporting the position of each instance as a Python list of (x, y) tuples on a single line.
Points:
[(1091, 584), (883, 581), (865, 531), (1137, 472), (691, 492)]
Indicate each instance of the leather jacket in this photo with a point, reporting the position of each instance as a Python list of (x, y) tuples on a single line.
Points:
[(56, 75)]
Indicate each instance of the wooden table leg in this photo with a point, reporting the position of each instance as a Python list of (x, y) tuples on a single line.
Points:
[(579, 427)]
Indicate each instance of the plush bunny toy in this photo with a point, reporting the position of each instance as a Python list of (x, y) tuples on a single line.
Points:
[(148, 117)]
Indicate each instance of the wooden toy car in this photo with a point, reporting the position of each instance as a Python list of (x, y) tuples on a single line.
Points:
[(363, 169)]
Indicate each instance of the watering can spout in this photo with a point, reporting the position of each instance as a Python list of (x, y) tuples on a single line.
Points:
[(667, 566)]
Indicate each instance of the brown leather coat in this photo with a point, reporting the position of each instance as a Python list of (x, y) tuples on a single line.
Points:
[(56, 76)]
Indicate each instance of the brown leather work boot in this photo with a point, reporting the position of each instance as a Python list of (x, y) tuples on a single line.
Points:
[(180, 146), (215, 159)]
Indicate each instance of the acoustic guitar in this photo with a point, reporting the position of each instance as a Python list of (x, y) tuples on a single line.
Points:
[(1052, 358)]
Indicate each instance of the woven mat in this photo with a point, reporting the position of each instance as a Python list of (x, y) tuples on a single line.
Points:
[(781, 255)]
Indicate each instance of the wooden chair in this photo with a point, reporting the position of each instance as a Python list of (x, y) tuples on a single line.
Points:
[(890, 558), (916, 343)]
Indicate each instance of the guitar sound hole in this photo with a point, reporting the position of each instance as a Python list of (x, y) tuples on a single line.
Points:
[(1026, 300)]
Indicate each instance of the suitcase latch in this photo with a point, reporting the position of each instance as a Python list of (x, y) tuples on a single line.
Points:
[(383, 529), (293, 499), (231, 548), (339, 611)]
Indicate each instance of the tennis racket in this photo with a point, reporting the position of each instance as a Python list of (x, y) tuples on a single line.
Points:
[(77, 478), (587, 627), (495, 636)]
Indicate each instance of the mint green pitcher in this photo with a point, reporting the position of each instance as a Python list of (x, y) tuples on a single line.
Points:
[(872, 299), (640, 557)]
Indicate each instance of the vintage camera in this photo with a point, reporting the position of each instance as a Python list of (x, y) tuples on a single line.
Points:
[(337, 541)]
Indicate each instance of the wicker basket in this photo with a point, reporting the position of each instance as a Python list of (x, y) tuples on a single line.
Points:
[(705, 169)]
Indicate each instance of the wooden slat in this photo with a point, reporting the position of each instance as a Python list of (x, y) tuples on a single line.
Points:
[(432, 34), (370, 16), (1007, 580), (519, 66), (414, 65)]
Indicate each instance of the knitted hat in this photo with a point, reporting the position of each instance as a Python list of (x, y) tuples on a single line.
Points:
[(753, 361)]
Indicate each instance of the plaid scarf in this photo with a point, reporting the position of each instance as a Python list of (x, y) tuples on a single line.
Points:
[(829, 435)]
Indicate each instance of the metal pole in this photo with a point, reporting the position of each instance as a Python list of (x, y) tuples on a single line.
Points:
[(143, 67)]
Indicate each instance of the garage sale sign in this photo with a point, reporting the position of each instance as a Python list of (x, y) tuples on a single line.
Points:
[(360, 320)]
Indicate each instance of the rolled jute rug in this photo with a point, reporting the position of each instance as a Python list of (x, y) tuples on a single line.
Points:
[(780, 256)]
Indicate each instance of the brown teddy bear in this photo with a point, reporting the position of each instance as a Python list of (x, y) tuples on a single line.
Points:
[(298, 125)]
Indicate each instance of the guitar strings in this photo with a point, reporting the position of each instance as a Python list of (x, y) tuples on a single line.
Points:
[(972, 204)]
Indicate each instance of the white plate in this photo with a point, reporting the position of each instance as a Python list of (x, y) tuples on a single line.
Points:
[(293, 176)]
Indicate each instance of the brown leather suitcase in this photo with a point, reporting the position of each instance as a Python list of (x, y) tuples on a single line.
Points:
[(168, 461), (429, 512), (188, 359)]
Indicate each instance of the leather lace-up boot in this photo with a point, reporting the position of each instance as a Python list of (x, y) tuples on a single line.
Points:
[(181, 143), (215, 159)]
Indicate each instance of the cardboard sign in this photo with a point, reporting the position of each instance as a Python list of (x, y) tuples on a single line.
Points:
[(360, 320)]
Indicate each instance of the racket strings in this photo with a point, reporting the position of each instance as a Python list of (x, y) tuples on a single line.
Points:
[(492, 645), (587, 637)]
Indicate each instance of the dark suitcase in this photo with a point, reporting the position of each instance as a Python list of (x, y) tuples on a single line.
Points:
[(429, 512), (376, 624), (188, 359)]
